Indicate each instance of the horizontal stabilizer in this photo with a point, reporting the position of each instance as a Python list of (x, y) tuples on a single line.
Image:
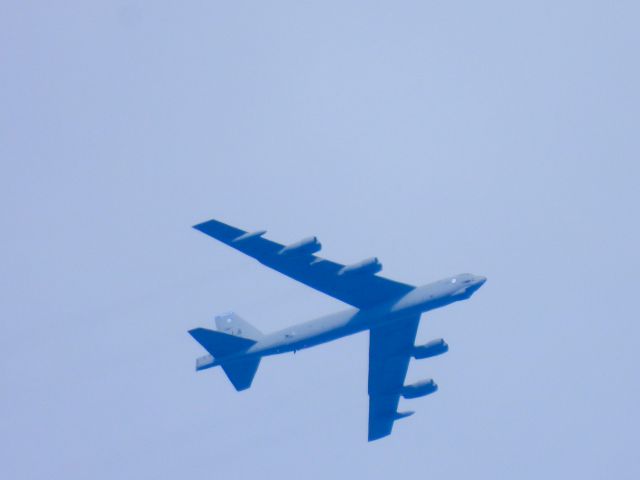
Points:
[(220, 344), (241, 372)]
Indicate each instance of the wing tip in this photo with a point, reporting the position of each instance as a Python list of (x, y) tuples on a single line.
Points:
[(219, 230), (203, 225), (373, 436), (197, 333)]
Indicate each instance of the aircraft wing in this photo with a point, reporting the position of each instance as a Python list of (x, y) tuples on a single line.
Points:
[(357, 284), (390, 348)]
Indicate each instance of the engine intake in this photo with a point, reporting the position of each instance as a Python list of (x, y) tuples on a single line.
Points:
[(419, 389), (431, 349)]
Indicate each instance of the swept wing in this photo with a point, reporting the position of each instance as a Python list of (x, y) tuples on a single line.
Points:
[(390, 349), (356, 284)]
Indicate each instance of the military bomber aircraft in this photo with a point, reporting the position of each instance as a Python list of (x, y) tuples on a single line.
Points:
[(388, 309)]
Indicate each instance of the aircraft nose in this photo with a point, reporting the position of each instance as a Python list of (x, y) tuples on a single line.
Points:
[(480, 280)]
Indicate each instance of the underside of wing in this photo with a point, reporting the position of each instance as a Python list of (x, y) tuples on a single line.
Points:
[(356, 284), (390, 349)]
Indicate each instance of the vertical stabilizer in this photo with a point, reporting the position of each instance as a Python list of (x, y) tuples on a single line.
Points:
[(232, 324)]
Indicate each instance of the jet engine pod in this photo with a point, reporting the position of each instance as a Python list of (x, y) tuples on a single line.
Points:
[(431, 349), (370, 266), (419, 389), (306, 246), (401, 415)]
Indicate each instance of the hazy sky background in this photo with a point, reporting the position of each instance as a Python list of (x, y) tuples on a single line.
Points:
[(496, 137)]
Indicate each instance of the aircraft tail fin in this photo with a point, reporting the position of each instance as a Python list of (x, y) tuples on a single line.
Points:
[(233, 336), (234, 325)]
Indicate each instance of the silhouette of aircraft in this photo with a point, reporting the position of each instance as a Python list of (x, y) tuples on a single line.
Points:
[(390, 310)]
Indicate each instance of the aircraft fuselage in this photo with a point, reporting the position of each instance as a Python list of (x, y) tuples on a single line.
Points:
[(347, 322)]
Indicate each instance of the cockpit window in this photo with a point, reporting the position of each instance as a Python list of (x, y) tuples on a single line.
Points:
[(454, 280)]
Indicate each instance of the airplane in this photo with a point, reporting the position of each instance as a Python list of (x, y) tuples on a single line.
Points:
[(388, 309)]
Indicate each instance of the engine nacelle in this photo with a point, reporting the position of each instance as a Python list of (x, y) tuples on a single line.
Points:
[(419, 389), (306, 246), (431, 349), (249, 236), (369, 266)]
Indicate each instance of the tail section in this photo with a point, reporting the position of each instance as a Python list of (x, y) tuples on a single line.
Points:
[(220, 344), (241, 372), (234, 325), (233, 336)]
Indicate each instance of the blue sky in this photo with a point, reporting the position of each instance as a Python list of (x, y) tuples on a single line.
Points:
[(499, 138)]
